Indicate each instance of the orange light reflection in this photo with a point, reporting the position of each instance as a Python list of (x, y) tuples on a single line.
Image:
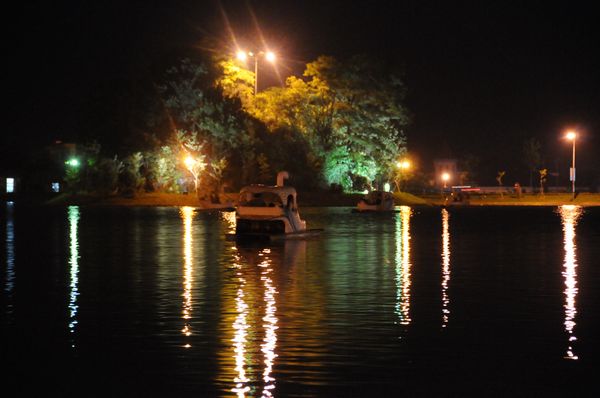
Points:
[(187, 214), (445, 266), (403, 265), (569, 215)]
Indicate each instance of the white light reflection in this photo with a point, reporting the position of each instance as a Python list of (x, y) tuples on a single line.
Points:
[(10, 254), (255, 298), (240, 326), (445, 267), (270, 326), (74, 266), (187, 215), (569, 215), (403, 265), (229, 217)]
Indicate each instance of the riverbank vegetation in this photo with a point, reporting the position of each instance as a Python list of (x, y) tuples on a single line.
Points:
[(339, 127)]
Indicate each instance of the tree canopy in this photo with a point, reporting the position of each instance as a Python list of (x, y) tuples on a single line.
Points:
[(349, 113)]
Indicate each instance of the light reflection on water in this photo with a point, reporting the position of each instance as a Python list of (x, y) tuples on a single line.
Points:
[(230, 221), (74, 268), (254, 328), (445, 267), (569, 215), (307, 318), (187, 215), (10, 255), (403, 265)]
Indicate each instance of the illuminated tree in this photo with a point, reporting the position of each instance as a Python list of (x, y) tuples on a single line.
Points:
[(349, 113), (209, 126), (237, 82)]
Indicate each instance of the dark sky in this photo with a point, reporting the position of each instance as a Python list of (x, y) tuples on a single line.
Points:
[(481, 77)]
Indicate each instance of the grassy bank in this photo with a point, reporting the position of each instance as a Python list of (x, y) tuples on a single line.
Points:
[(310, 199), (551, 199), (305, 199)]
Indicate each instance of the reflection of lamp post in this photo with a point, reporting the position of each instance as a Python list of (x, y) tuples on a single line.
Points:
[(269, 56), (571, 135)]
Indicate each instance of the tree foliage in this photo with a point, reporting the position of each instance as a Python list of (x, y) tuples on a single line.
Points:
[(341, 124), (350, 114)]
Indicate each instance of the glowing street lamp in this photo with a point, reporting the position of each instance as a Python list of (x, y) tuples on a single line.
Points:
[(445, 178), (189, 162), (73, 162), (268, 55), (571, 135), (404, 165)]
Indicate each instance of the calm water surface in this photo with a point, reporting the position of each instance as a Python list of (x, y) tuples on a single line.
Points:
[(424, 302)]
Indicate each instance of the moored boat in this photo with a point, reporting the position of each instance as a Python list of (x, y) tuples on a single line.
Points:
[(215, 202), (376, 201), (270, 212)]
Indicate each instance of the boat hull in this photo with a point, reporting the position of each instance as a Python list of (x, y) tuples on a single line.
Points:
[(258, 236)]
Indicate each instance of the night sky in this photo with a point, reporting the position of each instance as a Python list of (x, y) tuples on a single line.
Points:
[(481, 77)]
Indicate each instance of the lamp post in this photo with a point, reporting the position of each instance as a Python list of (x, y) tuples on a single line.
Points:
[(403, 167), (571, 135), (268, 55)]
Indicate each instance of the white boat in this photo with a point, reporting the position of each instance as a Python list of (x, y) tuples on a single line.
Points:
[(270, 212), (376, 201)]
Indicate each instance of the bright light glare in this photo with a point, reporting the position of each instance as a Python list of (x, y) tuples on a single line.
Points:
[(405, 164), (242, 56), (445, 177), (570, 216), (10, 185), (270, 56), (189, 162), (74, 162), (571, 135), (386, 187)]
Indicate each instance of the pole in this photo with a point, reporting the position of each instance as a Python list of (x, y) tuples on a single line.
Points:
[(255, 74), (573, 176)]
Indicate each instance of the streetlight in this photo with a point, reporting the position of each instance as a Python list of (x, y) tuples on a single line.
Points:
[(445, 178), (403, 166), (268, 55), (571, 135), (73, 162)]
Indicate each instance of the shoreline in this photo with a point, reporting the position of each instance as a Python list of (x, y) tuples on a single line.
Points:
[(309, 199)]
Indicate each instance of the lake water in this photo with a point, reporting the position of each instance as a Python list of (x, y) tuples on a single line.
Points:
[(479, 302)]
